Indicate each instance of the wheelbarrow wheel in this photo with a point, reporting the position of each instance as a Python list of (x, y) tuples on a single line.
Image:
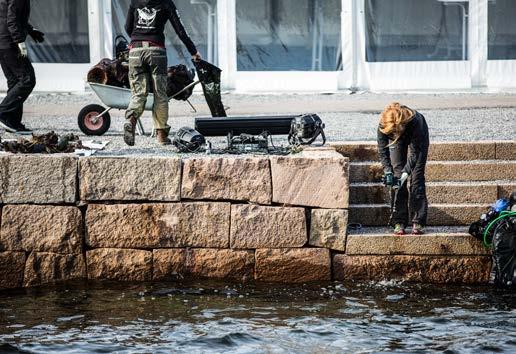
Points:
[(89, 121)]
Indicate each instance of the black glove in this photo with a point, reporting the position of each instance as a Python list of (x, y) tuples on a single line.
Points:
[(38, 36), (388, 179)]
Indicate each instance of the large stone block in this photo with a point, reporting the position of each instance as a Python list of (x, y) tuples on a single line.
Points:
[(227, 178), (506, 189), (506, 150), (41, 179), (43, 268), (328, 228), (12, 266), (37, 228), (158, 225), (438, 214), (429, 244), (293, 265), (130, 178), (171, 264), (312, 178), (119, 264), (462, 151), (254, 226), (423, 269)]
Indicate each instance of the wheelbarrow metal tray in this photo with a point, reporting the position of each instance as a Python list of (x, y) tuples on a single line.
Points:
[(117, 97)]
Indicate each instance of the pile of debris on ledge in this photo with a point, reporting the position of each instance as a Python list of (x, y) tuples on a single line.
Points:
[(49, 143)]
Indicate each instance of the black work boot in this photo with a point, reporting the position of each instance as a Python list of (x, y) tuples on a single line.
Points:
[(129, 130), (8, 126)]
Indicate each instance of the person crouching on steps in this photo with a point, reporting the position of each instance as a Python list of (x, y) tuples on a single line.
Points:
[(403, 142), (145, 25)]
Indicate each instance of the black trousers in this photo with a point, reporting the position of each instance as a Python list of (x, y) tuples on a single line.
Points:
[(417, 210), (20, 82)]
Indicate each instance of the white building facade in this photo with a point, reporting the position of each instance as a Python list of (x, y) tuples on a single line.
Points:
[(300, 45)]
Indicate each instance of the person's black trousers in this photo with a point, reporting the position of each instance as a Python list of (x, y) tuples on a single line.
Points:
[(418, 200), (20, 82)]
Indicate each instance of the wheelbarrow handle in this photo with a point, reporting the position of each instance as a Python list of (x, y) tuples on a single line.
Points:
[(193, 84)]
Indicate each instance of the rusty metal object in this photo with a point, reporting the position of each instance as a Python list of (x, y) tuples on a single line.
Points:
[(110, 72), (49, 143)]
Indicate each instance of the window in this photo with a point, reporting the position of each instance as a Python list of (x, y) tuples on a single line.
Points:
[(65, 24), (199, 19), (416, 30), (502, 29), (283, 35)]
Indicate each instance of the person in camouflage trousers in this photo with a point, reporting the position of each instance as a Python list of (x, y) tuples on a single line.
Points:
[(145, 25)]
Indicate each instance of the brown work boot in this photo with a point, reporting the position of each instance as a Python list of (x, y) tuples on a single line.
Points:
[(129, 130), (163, 137)]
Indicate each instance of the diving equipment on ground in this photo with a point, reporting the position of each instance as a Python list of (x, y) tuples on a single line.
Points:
[(305, 129), (188, 140), (497, 230)]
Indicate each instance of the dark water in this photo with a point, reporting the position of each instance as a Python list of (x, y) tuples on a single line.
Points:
[(216, 317)]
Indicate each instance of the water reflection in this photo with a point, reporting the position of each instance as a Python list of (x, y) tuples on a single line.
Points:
[(216, 317)]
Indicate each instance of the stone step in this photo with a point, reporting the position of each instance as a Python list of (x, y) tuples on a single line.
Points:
[(439, 151), (443, 171), (438, 214), (438, 192), (447, 240)]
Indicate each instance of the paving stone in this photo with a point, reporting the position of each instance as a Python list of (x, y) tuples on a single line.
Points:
[(38, 179), (119, 264), (179, 263), (421, 269), (12, 266), (506, 150), (228, 178), (293, 265), (56, 229), (130, 178), (151, 226), (254, 226), (328, 228), (312, 178), (45, 268)]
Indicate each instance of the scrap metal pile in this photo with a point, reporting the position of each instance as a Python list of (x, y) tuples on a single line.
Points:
[(49, 143)]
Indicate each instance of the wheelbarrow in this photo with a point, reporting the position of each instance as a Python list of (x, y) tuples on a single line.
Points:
[(94, 119)]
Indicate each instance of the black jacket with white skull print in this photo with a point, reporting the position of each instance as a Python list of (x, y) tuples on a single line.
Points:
[(146, 21)]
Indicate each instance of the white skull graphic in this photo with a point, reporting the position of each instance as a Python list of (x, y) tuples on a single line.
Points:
[(146, 17)]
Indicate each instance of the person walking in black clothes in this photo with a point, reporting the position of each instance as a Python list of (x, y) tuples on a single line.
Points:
[(403, 142), (17, 68), (145, 25)]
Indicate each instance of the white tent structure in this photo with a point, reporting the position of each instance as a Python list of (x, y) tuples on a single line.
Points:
[(301, 45)]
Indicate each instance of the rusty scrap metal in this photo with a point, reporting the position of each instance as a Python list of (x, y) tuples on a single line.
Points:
[(49, 143)]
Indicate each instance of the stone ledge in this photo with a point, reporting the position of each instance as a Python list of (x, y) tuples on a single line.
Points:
[(222, 178), (313, 178), (293, 265), (130, 178), (173, 264), (254, 226), (45, 268), (55, 229), (119, 264), (151, 226), (423, 269), (429, 244), (12, 265), (506, 150), (41, 179)]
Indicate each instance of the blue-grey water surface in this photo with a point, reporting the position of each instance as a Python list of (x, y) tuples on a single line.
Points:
[(207, 317)]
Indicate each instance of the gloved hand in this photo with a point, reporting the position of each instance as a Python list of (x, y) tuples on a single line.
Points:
[(403, 179), (196, 56), (23, 49), (38, 36), (388, 179)]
